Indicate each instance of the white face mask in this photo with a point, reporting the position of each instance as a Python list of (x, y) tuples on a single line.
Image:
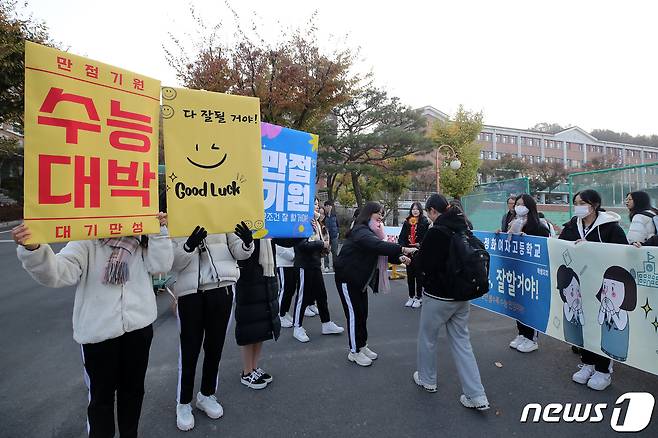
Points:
[(582, 211), (521, 210)]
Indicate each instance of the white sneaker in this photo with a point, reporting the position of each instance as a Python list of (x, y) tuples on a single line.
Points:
[(409, 302), (426, 387), (599, 381), (583, 375), (314, 309), (417, 303), (369, 353), (209, 405), (516, 341), (527, 345), (480, 403), (360, 358), (330, 328), (309, 313), (286, 321), (184, 417), (300, 334)]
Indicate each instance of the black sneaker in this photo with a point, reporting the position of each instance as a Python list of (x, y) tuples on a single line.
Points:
[(263, 375), (253, 380)]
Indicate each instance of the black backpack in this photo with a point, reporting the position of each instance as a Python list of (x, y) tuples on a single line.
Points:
[(467, 270)]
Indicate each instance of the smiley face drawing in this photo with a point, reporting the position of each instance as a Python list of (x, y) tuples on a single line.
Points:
[(168, 93), (258, 224), (208, 166), (167, 112)]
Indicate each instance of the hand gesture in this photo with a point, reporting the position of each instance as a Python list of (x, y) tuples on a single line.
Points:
[(195, 239), (22, 234), (405, 260), (637, 244), (408, 251), (244, 233), (162, 217)]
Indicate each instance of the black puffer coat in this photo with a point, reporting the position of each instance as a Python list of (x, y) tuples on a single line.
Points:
[(256, 302)]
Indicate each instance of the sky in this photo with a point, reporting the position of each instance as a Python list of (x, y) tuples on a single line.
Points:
[(587, 63)]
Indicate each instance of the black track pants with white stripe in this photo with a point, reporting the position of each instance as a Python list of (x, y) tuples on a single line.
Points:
[(116, 366), (311, 288), (203, 320), (355, 305), (288, 284)]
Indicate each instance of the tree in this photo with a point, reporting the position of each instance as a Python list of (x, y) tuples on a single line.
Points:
[(546, 176), (393, 182), (506, 167), (368, 134), (11, 164), (461, 133), (551, 128), (297, 82), (605, 162), (14, 31)]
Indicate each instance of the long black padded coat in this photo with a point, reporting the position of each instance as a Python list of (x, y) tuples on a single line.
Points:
[(256, 302)]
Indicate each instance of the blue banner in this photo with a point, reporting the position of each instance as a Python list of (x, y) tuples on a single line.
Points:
[(289, 169), (519, 278)]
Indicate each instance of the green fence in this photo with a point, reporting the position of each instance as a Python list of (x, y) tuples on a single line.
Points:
[(614, 184), (487, 203)]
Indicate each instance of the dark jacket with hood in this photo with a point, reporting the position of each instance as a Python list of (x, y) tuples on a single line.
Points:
[(421, 229), (357, 259), (605, 229), (256, 302), (433, 254)]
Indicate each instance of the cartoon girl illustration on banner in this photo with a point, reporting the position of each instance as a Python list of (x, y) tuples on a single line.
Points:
[(568, 284), (618, 296)]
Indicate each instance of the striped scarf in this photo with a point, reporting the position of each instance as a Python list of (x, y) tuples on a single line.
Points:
[(116, 270)]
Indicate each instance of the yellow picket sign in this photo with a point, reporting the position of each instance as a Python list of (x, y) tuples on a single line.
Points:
[(91, 148), (213, 161)]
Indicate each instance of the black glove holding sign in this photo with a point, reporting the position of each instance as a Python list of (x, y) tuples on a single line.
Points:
[(195, 239), (244, 233)]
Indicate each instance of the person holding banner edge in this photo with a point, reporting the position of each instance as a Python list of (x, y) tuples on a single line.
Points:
[(593, 224), (365, 248), (641, 215), (206, 268), (113, 312), (526, 222)]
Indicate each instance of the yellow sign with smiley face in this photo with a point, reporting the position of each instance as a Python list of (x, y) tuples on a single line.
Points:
[(213, 161)]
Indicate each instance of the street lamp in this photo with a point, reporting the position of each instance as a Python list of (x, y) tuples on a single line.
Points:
[(455, 164)]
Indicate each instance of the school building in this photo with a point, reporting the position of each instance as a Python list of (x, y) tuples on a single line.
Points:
[(571, 147)]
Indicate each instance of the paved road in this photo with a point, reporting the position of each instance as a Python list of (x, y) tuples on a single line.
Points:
[(315, 392)]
